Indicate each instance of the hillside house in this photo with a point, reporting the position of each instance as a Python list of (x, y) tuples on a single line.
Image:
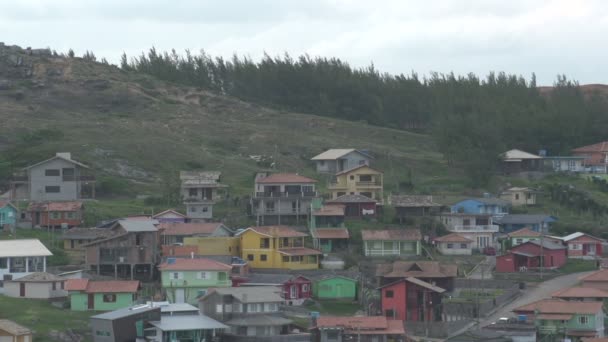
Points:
[(581, 294), (215, 245), (378, 329), (200, 191), (519, 196), (433, 272), (131, 251), (356, 206), (391, 242), (170, 216), (186, 328), (596, 280), (59, 178), (537, 222), (295, 289), (407, 206), (174, 233), (282, 198), (516, 161), (530, 255), (326, 216), (477, 227), (75, 239), (186, 280), (454, 244), (486, 205), (327, 227), (126, 324), (595, 156), (22, 257), (37, 285), (101, 295), (337, 160), (334, 287), (278, 247), (13, 332), (412, 299), (564, 163), (359, 180), (8, 216), (581, 245), (556, 318), (330, 240), (56, 214)]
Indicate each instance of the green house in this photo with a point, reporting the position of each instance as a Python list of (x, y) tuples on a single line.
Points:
[(394, 242), (108, 295), (8, 215), (186, 280), (333, 286)]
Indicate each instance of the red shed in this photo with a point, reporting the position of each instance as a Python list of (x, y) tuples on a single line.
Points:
[(296, 289), (528, 255), (583, 245), (56, 214), (411, 299)]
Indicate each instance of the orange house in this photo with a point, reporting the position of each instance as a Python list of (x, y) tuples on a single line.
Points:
[(56, 214)]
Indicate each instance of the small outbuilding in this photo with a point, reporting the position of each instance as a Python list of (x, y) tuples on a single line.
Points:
[(334, 286), (532, 254), (13, 332), (454, 244), (38, 285)]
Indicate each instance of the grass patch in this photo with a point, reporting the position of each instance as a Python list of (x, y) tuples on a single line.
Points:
[(337, 308), (578, 265)]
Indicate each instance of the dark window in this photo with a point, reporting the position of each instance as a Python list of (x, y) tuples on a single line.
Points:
[(52, 189), (62, 285), (285, 259), (389, 294), (137, 239), (352, 177), (463, 245), (389, 313), (265, 243), (3, 263), (365, 178), (71, 243), (193, 192), (51, 172), (263, 257), (109, 298), (54, 286), (68, 174), (250, 257)]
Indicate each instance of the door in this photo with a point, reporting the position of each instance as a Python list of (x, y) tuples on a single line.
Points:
[(590, 249), (91, 301), (293, 292), (338, 290), (180, 296), (21, 289), (37, 218)]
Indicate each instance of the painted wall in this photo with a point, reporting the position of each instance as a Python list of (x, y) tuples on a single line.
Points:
[(383, 248), (69, 190), (397, 302), (584, 246), (335, 288), (472, 206), (519, 198), (255, 255), (522, 239), (8, 216), (34, 290), (456, 248), (350, 183), (191, 285), (12, 338), (348, 161), (215, 245), (79, 301), (199, 210)]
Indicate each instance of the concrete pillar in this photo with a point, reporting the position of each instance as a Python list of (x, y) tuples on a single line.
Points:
[(132, 266), (43, 264), (115, 271), (27, 264)]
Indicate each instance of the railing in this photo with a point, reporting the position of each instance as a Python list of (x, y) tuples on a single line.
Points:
[(383, 252), (490, 228), (369, 183), (335, 185), (547, 329), (197, 200), (278, 194), (273, 211)]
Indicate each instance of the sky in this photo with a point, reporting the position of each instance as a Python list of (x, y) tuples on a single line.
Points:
[(545, 37)]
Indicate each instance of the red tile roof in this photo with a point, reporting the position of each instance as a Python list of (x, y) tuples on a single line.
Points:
[(193, 265), (285, 178), (278, 231), (331, 233), (54, 206), (169, 211), (558, 306), (524, 232), (417, 269), (599, 147), (580, 292), (176, 228), (394, 234), (76, 284), (113, 286), (454, 237), (366, 325), (296, 251), (601, 275), (179, 250)]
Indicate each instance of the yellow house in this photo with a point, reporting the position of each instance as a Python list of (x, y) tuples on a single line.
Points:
[(519, 196), (360, 180), (219, 245), (279, 247)]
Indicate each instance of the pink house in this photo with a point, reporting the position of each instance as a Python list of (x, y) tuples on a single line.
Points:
[(581, 245)]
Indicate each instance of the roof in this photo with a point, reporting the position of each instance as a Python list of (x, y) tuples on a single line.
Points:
[(524, 232), (595, 339), (417, 269), (270, 278), (488, 201), (362, 325), (102, 286), (561, 317), (454, 237), (330, 210), (22, 248), (351, 276), (86, 233), (39, 277), (580, 292), (67, 156), (518, 155), (425, 284), (356, 168), (599, 147), (179, 251), (525, 219), (13, 328), (558, 306), (330, 233), (352, 199), (394, 234), (176, 307), (285, 178), (412, 201), (600, 275), (177, 264), (54, 206), (577, 235), (517, 189), (277, 231), (544, 244), (200, 178), (187, 322), (5, 203), (296, 251), (125, 312), (169, 211), (250, 294), (176, 228), (258, 320), (135, 226), (335, 153), (76, 284)]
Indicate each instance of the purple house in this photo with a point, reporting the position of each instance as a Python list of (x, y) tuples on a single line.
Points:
[(170, 216)]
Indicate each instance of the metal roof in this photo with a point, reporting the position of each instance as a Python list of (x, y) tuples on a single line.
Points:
[(23, 248), (67, 156), (352, 199), (335, 153), (187, 322), (134, 226), (251, 294), (525, 218), (259, 320), (518, 155), (126, 312), (13, 328)]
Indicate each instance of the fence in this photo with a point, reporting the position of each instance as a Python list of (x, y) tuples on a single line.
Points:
[(482, 305), (435, 329), (302, 337)]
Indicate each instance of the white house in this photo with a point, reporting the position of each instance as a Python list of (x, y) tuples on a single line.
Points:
[(454, 244), (38, 285), (19, 258), (340, 159)]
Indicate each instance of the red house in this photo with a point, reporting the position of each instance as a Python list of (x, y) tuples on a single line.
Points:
[(596, 156), (432, 272), (582, 245), (412, 299), (296, 289), (56, 214), (528, 255)]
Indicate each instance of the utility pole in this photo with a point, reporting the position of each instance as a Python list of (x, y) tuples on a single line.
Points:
[(542, 258)]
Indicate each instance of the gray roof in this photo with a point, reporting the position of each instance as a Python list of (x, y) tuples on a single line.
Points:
[(335, 274), (546, 244), (352, 199), (336, 153), (200, 178), (177, 307), (268, 278), (259, 320), (39, 277), (126, 312), (86, 234), (188, 322), (524, 218), (252, 294), (411, 201), (134, 226), (491, 201)]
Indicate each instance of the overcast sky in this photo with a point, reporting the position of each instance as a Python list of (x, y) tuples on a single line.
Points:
[(517, 36)]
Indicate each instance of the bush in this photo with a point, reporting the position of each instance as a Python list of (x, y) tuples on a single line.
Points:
[(111, 186)]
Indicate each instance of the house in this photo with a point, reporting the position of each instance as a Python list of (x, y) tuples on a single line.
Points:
[(584, 294), (330, 240), (581, 245), (326, 216), (13, 332), (186, 280), (564, 163), (596, 156), (558, 318), (358, 180), (596, 280), (282, 198), (477, 227), (59, 178), (199, 191), (21, 257), (519, 196), (334, 287), (177, 309), (56, 214), (376, 328), (295, 288), (124, 325), (220, 245), (523, 235), (432, 272), (278, 247), (515, 161), (253, 313), (530, 254), (407, 206), (8, 215), (101, 295), (170, 216), (173, 233), (356, 206), (131, 251), (391, 242), (75, 239), (486, 205), (537, 222), (37, 285), (340, 159), (185, 328), (454, 244), (412, 299)]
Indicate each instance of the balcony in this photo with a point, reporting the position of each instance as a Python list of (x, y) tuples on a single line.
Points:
[(370, 184), (490, 228), (336, 186), (275, 211), (200, 200), (277, 194)]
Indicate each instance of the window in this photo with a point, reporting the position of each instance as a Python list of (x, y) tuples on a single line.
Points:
[(450, 245), (528, 196), (200, 293), (250, 257), (352, 177), (305, 288), (519, 241), (583, 320), (332, 335), (367, 194), (205, 209), (362, 162), (192, 192), (221, 276), (296, 258), (109, 298), (68, 174), (572, 165), (294, 206), (137, 239), (55, 215), (54, 286), (219, 308), (466, 222), (176, 275), (203, 275), (3, 263), (263, 257), (256, 307), (62, 285), (389, 294), (52, 189), (340, 194), (516, 196), (265, 243), (321, 162), (575, 246), (270, 206), (389, 313), (365, 178), (192, 209), (463, 245), (237, 307), (70, 215), (285, 259), (51, 172)]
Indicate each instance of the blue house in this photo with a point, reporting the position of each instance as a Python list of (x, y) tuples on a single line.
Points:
[(8, 215), (540, 223), (492, 206)]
